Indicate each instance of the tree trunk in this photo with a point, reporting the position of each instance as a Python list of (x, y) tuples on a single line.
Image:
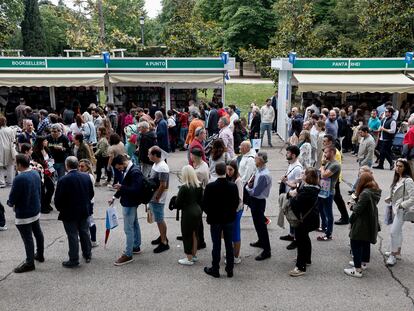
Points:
[(101, 23), (241, 68)]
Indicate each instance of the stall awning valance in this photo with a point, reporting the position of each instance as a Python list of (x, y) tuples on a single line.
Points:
[(354, 82), (119, 78), (51, 79)]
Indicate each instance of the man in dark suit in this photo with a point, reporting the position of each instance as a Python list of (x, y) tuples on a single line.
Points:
[(73, 196), (213, 119), (220, 202), (129, 192)]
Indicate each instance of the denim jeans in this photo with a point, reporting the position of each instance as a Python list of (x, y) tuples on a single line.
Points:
[(361, 252), (131, 229), (326, 213), (60, 169), (26, 232), (266, 127), (183, 136), (217, 230)]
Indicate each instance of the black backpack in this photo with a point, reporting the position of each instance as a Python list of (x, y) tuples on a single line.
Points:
[(149, 186)]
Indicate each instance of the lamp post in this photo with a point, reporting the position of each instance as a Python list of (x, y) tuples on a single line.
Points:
[(142, 22)]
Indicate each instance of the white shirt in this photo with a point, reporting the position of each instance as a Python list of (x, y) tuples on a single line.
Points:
[(294, 172), (267, 113), (171, 122), (247, 166), (233, 118)]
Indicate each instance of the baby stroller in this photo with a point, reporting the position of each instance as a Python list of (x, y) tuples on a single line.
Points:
[(397, 144)]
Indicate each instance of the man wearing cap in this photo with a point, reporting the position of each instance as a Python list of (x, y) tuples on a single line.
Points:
[(200, 137), (258, 188), (387, 133)]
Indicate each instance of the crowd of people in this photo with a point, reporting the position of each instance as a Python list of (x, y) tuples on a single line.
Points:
[(57, 155)]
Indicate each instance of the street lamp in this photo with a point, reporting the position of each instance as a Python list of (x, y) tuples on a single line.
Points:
[(142, 22)]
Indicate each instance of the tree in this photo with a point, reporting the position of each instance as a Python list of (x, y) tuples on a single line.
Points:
[(55, 28), (32, 30), (246, 23), (388, 26), (183, 33), (11, 12)]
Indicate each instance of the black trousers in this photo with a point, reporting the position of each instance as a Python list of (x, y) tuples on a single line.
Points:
[(2, 218), (26, 232), (304, 247), (257, 207), (340, 203), (200, 233), (48, 188), (361, 250), (102, 163), (217, 230), (78, 230), (385, 152)]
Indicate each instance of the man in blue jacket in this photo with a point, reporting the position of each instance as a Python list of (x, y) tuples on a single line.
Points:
[(25, 199), (73, 196), (129, 193), (162, 132)]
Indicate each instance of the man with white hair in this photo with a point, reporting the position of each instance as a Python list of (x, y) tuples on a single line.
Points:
[(408, 143), (226, 134), (247, 165)]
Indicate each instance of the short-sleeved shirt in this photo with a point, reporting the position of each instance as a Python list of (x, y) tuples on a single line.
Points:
[(160, 172), (294, 173), (328, 184)]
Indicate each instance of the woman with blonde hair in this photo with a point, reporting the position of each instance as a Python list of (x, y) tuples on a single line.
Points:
[(189, 201)]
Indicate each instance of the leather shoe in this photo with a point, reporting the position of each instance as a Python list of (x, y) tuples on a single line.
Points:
[(70, 264), (256, 244), (201, 246), (213, 273), (378, 167), (24, 267), (88, 259), (287, 237), (262, 256), (39, 258), (292, 245), (341, 221)]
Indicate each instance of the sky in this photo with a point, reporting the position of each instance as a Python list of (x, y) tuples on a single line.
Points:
[(153, 7)]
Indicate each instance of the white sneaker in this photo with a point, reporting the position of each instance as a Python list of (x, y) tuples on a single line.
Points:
[(363, 265), (185, 262), (398, 257), (195, 259), (296, 272), (353, 272), (237, 260), (95, 244), (391, 261), (3, 228)]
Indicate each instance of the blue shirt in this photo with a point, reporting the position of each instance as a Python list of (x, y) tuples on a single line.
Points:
[(374, 124), (262, 184), (332, 128)]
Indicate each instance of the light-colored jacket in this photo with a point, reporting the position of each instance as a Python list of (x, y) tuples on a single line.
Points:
[(305, 157), (403, 196), (267, 113), (7, 146), (366, 151), (247, 166)]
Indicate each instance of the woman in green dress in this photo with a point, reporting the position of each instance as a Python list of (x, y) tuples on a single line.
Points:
[(188, 201)]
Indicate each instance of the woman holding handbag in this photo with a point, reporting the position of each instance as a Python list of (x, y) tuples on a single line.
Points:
[(303, 201), (401, 199), (364, 223)]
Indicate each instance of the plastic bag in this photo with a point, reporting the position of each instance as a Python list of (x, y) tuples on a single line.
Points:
[(111, 218)]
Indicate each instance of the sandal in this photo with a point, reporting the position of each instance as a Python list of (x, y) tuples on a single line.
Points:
[(324, 238)]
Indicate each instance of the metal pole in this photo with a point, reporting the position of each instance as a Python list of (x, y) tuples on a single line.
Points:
[(142, 35)]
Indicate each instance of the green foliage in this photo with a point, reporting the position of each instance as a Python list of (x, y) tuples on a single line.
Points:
[(246, 23), (11, 13), (55, 28), (32, 30), (389, 27)]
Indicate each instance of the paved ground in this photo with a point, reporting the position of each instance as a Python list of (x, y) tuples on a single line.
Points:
[(158, 282)]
